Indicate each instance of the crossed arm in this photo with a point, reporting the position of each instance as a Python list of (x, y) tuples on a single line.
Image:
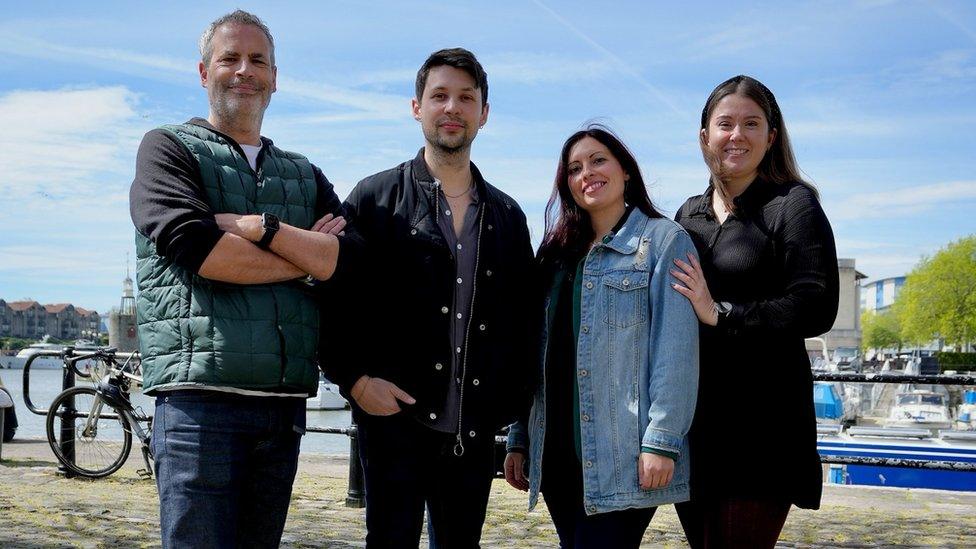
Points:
[(293, 252), (169, 206)]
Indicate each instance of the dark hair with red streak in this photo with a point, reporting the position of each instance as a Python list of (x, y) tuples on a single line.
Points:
[(568, 228)]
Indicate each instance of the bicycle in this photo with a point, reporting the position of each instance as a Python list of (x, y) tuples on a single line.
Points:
[(98, 444)]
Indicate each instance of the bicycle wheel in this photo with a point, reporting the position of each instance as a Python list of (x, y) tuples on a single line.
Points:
[(100, 446)]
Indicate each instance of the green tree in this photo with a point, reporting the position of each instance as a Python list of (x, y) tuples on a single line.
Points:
[(13, 343), (939, 296), (881, 330)]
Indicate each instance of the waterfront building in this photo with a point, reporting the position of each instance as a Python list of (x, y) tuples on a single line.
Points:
[(846, 331), (29, 319), (879, 295)]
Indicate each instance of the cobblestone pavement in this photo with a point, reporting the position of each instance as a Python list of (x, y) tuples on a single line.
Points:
[(39, 508)]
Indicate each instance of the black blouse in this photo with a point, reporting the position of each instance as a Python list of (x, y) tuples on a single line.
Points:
[(775, 261)]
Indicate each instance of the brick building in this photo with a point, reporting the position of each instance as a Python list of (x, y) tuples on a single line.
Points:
[(31, 320)]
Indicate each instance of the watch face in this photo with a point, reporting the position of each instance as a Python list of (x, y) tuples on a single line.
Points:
[(270, 221)]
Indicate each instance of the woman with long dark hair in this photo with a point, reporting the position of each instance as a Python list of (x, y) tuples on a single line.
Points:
[(767, 279), (606, 438)]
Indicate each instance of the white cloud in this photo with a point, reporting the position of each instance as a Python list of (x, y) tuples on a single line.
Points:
[(66, 159), (722, 44), (370, 105), (619, 63), (540, 68), (508, 67), (953, 19), (884, 265), (155, 66), (841, 126), (56, 142), (34, 260), (906, 201), (373, 105)]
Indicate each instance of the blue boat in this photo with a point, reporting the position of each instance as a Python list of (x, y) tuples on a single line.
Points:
[(899, 443)]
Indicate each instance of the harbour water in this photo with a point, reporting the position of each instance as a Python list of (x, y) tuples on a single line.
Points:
[(46, 384)]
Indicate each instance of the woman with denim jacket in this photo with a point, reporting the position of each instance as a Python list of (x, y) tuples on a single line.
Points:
[(605, 441), (767, 279)]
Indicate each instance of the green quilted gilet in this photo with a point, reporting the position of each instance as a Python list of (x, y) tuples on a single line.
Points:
[(195, 331)]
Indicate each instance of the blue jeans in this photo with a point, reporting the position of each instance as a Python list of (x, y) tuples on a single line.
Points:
[(407, 466), (225, 465)]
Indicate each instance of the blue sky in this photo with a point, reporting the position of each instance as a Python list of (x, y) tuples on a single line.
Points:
[(878, 98)]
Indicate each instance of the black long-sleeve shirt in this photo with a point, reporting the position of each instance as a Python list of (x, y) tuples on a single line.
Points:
[(168, 204), (775, 261)]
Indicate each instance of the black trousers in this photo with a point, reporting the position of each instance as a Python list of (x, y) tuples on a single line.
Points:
[(408, 467), (562, 488)]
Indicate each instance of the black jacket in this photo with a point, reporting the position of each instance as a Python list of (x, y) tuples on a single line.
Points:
[(393, 321)]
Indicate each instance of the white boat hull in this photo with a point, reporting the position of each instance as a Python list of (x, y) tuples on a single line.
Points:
[(40, 363), (327, 398)]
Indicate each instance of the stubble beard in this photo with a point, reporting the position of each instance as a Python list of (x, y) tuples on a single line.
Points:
[(448, 146), (238, 112)]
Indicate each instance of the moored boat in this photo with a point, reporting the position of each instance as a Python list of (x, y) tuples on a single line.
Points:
[(44, 362), (327, 398), (920, 408), (893, 443)]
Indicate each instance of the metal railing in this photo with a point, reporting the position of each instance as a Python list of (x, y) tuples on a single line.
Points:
[(67, 427), (355, 494), (885, 377)]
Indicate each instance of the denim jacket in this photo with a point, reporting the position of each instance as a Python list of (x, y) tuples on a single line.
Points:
[(637, 367)]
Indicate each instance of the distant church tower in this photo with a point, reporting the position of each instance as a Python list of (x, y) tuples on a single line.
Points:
[(122, 321)]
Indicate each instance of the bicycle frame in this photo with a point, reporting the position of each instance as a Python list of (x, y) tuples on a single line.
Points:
[(110, 401)]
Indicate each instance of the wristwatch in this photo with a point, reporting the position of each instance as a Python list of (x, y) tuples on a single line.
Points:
[(270, 223), (723, 308)]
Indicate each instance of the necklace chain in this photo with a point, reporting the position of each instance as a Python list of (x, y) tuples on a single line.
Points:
[(466, 191)]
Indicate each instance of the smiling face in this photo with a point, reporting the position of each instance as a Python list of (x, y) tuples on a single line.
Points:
[(239, 75), (451, 109), (738, 136), (595, 177)]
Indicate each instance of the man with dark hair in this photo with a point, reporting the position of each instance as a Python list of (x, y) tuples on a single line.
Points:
[(231, 233), (443, 354)]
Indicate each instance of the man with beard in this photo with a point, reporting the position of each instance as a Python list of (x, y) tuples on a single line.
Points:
[(439, 351), (231, 233)]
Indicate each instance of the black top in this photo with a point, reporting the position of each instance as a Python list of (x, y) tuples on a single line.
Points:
[(562, 429), (562, 440), (168, 203), (774, 260)]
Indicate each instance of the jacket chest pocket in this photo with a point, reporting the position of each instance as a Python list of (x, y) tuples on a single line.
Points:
[(626, 299)]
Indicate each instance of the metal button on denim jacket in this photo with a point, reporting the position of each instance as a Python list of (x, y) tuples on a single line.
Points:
[(637, 368)]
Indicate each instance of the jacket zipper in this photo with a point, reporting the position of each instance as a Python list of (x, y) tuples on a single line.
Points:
[(459, 446)]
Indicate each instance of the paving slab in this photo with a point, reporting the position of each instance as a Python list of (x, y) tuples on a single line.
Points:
[(40, 508)]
